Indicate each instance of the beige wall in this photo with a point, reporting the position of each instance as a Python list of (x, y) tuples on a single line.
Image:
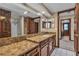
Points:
[(53, 19), (72, 25)]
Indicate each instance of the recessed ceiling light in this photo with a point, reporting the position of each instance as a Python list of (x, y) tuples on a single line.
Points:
[(43, 12), (25, 12), (39, 14)]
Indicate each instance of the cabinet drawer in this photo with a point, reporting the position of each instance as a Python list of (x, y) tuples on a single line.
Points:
[(44, 43), (34, 52)]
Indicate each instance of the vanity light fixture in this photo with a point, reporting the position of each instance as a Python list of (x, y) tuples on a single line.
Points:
[(2, 17), (25, 12)]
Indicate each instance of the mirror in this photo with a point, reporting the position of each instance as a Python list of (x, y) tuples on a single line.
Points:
[(47, 25)]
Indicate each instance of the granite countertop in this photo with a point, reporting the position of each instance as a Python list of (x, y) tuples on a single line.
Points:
[(17, 48), (40, 38)]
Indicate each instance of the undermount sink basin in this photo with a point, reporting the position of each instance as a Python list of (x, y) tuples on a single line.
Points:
[(45, 35)]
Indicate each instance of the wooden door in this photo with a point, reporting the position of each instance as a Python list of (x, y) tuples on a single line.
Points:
[(76, 29), (66, 29)]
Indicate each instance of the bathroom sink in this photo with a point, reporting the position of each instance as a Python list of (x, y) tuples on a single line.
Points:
[(45, 35)]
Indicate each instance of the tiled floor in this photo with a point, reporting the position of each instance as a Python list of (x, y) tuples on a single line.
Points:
[(66, 48), (62, 52), (65, 43)]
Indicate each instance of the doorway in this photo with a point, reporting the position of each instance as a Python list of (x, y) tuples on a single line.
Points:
[(66, 28), (65, 41)]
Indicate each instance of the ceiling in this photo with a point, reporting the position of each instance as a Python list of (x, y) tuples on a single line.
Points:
[(36, 9), (56, 7), (18, 9)]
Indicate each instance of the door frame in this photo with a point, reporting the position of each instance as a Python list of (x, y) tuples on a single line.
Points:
[(70, 27), (58, 23)]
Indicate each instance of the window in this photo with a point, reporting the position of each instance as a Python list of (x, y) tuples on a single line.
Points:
[(65, 26)]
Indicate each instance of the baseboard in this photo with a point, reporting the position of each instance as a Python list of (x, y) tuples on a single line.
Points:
[(57, 46), (71, 40), (60, 38)]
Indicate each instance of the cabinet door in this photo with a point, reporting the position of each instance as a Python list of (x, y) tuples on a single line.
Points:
[(44, 51), (50, 47), (76, 44)]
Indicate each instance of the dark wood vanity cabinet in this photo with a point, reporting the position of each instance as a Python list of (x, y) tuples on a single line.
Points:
[(52, 44), (47, 46), (50, 47), (44, 47), (32, 52), (5, 25), (44, 51)]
